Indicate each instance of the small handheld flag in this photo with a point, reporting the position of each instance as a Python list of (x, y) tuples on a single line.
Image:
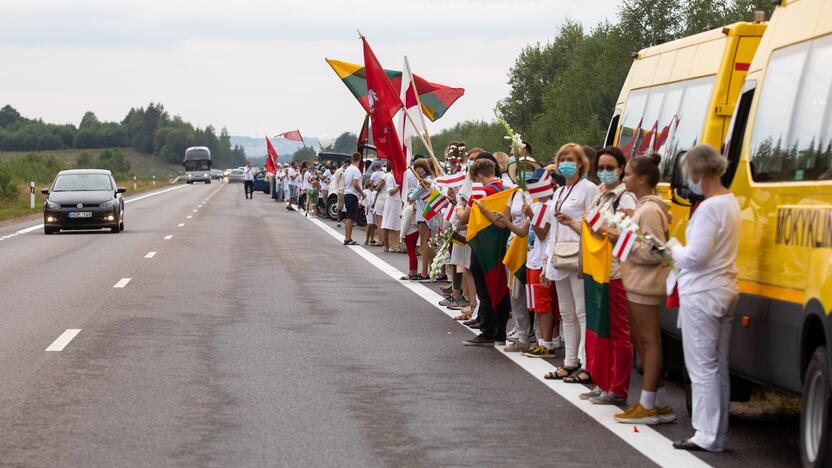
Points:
[(477, 192), (541, 215), (451, 180), (541, 188), (594, 218), (435, 205), (625, 243)]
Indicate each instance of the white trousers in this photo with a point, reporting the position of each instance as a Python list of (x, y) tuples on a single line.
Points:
[(705, 319), (573, 318)]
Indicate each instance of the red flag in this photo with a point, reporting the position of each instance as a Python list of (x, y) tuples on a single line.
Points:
[(293, 135), (384, 103), (271, 159)]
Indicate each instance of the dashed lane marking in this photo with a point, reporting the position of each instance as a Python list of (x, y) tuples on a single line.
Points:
[(60, 343), (647, 441), (168, 237), (150, 255), (181, 224), (122, 283), (189, 217)]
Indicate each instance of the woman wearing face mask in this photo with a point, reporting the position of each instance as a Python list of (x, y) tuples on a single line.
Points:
[(644, 275), (707, 295), (572, 200), (611, 366)]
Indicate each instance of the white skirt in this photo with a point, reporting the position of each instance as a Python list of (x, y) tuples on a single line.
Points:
[(391, 218), (379, 207), (461, 256)]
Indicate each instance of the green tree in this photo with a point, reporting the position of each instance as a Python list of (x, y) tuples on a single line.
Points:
[(345, 143), (304, 154)]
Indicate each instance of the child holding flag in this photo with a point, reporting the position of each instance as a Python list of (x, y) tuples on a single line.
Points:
[(644, 275)]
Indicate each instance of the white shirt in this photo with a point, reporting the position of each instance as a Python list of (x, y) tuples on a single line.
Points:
[(574, 202), (390, 184), (250, 171), (352, 173), (293, 176), (707, 262), (307, 179), (537, 253), (326, 178), (375, 180)]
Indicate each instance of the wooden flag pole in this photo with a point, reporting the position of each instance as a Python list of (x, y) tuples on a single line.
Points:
[(419, 103)]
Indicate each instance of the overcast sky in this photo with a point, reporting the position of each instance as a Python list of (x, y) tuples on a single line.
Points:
[(257, 66)]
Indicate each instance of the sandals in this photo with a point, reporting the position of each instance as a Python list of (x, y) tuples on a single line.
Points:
[(579, 377), (561, 373), (350, 242), (422, 277), (410, 277)]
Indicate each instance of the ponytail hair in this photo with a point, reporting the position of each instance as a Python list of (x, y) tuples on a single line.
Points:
[(647, 166)]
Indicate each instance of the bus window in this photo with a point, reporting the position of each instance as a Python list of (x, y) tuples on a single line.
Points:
[(632, 120), (769, 140), (690, 121), (736, 131)]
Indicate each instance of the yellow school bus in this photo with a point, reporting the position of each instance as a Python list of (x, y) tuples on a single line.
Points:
[(679, 94), (779, 147)]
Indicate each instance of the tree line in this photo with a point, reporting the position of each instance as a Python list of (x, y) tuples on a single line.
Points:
[(565, 90), (149, 130)]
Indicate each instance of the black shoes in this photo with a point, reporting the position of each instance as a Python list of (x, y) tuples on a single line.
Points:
[(479, 340), (687, 444)]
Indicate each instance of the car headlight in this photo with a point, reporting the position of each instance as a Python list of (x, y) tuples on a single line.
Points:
[(204, 175), (190, 175), (52, 205), (108, 204)]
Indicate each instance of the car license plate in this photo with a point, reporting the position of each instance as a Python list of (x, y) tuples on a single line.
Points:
[(80, 214)]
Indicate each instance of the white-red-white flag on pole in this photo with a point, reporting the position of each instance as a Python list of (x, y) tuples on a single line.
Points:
[(451, 180), (450, 214), (625, 243), (541, 212), (594, 219), (405, 127)]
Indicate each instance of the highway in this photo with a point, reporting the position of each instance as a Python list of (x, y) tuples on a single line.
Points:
[(220, 331)]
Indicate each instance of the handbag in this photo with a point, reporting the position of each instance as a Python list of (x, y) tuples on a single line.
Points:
[(566, 255)]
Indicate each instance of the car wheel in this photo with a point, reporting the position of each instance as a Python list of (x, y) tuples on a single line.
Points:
[(332, 208), (48, 230), (115, 229), (207, 181), (814, 410), (121, 226)]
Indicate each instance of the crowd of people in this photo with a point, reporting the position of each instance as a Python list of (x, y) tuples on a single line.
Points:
[(550, 302)]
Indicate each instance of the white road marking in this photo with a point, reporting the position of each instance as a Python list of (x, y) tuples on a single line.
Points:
[(168, 237), (150, 255), (60, 343), (195, 211), (122, 283), (128, 200), (181, 224), (647, 441), (189, 217)]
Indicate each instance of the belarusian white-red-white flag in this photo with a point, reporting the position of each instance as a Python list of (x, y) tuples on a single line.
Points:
[(541, 212), (405, 127), (625, 243), (451, 180)]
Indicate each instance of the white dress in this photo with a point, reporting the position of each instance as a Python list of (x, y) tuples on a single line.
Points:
[(391, 218)]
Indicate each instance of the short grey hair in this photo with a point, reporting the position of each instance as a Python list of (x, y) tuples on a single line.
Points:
[(703, 161)]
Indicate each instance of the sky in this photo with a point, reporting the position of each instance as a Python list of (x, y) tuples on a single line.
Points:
[(257, 66)]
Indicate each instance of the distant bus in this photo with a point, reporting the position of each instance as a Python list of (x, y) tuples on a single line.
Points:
[(197, 164)]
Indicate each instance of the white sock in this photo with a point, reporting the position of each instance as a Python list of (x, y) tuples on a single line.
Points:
[(547, 344), (661, 397), (648, 400), (540, 341)]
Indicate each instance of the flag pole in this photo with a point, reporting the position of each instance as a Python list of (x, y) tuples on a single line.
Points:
[(419, 102), (424, 141)]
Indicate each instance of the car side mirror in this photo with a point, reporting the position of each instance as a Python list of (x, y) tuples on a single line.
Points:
[(121, 190), (44, 191)]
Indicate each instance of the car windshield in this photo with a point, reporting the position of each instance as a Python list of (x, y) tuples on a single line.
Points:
[(82, 183)]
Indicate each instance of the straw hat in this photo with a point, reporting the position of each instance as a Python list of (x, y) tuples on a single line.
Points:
[(530, 163)]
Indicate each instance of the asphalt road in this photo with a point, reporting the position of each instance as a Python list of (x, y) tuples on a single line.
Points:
[(254, 338)]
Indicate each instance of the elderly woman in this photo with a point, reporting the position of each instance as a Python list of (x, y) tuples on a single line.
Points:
[(707, 295)]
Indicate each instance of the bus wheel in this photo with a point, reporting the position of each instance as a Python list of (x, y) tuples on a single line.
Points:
[(814, 411)]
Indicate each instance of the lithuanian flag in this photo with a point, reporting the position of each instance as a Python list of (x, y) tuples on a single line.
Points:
[(435, 98), (596, 256), (515, 259), (488, 244)]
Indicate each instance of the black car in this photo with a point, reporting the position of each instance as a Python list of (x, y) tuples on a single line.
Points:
[(83, 199)]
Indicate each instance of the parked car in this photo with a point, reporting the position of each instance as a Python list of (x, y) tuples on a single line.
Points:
[(261, 184), (83, 199), (236, 175)]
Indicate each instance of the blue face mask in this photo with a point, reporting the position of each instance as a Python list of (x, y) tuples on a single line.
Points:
[(608, 177), (695, 187), (567, 169)]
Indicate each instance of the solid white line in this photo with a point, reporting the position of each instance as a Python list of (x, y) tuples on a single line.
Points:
[(60, 343), (150, 255), (122, 283), (168, 237), (647, 441), (181, 224), (128, 200)]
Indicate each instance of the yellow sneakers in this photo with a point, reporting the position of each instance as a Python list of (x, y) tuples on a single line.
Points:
[(666, 415), (637, 414)]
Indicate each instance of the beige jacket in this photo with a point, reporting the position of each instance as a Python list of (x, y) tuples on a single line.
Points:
[(644, 274)]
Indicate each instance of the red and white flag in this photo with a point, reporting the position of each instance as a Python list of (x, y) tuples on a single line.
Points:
[(451, 180), (541, 213), (477, 192), (450, 214), (625, 244), (594, 219), (271, 159), (294, 135), (541, 188)]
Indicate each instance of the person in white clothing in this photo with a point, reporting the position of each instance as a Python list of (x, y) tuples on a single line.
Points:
[(572, 200), (293, 178), (392, 213), (248, 185), (708, 293)]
